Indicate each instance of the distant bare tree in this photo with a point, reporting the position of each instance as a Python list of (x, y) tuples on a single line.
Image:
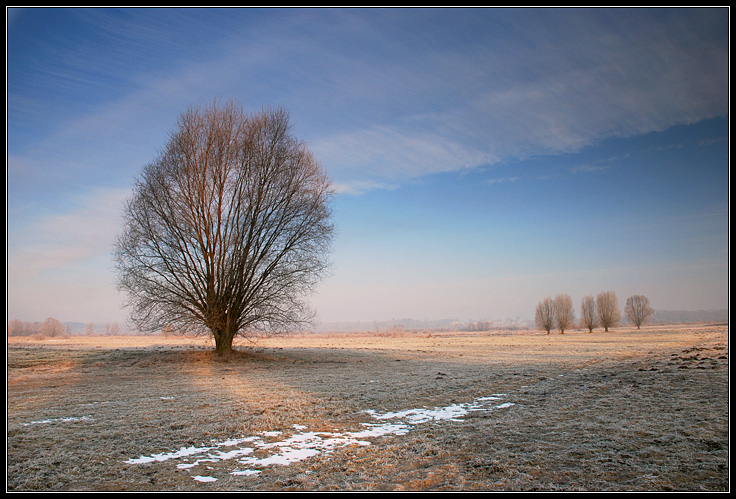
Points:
[(608, 312), (564, 312), (545, 314), (228, 229), (588, 316), (16, 327), (52, 328), (90, 329), (638, 309)]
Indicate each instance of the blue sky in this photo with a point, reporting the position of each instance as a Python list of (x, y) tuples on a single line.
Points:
[(483, 158)]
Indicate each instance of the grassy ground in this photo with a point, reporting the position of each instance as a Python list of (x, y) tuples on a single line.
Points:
[(620, 411)]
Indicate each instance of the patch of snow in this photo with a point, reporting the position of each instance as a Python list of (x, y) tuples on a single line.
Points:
[(182, 452), (452, 412), (246, 472), (302, 444), (204, 478), (59, 420)]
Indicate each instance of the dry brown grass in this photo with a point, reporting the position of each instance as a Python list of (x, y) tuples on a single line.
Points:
[(621, 411)]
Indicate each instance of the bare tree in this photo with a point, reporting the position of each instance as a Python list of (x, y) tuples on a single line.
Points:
[(638, 309), (16, 327), (545, 314), (608, 312), (564, 312), (228, 228), (588, 316), (52, 328)]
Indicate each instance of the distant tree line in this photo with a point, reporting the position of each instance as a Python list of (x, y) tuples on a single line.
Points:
[(601, 311), (54, 328), (685, 316), (51, 328), (474, 326)]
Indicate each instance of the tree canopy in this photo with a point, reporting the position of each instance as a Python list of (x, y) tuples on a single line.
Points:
[(228, 229)]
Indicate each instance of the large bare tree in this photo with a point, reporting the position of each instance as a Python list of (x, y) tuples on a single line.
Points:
[(564, 312), (638, 309), (228, 229), (544, 315), (588, 316), (608, 312)]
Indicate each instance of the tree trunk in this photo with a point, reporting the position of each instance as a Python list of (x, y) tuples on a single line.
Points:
[(223, 341)]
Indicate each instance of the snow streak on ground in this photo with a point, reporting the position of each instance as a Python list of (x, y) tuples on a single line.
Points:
[(253, 453), (59, 420)]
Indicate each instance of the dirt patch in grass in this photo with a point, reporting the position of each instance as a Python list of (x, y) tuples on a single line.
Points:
[(620, 411)]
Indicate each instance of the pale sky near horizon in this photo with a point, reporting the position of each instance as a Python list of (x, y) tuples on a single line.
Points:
[(483, 158)]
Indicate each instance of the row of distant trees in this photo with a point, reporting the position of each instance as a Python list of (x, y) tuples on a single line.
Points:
[(54, 328), (601, 311), (50, 328)]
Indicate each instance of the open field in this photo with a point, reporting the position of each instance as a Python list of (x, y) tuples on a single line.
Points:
[(620, 411)]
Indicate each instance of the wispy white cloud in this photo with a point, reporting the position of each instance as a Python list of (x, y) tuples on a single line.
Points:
[(64, 239), (360, 187), (710, 142), (393, 154), (553, 82), (59, 264)]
